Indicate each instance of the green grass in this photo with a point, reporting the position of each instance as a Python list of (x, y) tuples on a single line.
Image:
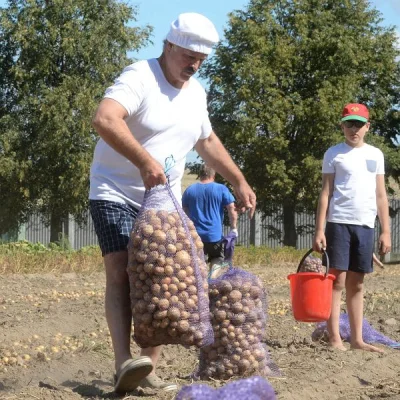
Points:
[(265, 255), (24, 257)]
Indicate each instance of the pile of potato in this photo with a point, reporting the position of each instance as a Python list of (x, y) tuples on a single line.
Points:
[(237, 309), (168, 281), (312, 264)]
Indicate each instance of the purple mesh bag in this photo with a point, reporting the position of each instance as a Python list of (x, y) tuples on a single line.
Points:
[(229, 245), (370, 335), (167, 275), (254, 388), (228, 242), (238, 318)]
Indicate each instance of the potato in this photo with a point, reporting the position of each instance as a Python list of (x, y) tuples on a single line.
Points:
[(182, 258), (147, 230), (159, 236)]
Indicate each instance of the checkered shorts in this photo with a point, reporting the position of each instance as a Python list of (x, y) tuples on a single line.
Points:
[(113, 224)]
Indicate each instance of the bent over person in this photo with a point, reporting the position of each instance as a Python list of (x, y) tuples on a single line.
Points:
[(154, 109), (204, 202)]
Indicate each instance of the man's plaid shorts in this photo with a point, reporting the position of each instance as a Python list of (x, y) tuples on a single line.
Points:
[(113, 224)]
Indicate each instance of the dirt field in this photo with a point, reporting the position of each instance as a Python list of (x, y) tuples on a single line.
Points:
[(54, 342)]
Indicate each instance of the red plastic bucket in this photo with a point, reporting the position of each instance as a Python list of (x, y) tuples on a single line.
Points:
[(311, 294)]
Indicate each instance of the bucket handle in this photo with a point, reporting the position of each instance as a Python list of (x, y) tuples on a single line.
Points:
[(308, 253)]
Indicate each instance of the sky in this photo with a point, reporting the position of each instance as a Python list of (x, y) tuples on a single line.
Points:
[(160, 13)]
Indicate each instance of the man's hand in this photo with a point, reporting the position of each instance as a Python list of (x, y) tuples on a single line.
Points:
[(152, 174), (246, 199), (234, 231)]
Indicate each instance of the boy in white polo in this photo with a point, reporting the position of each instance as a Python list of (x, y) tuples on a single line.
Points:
[(353, 193)]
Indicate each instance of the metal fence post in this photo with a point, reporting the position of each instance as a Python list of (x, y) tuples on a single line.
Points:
[(71, 231), (255, 229), (22, 232)]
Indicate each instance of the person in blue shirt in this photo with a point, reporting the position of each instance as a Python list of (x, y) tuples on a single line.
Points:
[(204, 203)]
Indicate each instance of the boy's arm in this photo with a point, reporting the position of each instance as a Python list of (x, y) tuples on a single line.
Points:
[(323, 204), (382, 204)]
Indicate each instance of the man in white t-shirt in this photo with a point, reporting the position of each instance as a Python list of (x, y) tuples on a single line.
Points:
[(353, 194), (155, 109)]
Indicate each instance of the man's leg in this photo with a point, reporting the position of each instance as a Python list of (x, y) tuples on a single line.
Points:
[(215, 251), (113, 223), (118, 310), (118, 305), (154, 353), (355, 304), (333, 322)]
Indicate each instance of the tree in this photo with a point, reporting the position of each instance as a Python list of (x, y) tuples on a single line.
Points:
[(57, 57), (279, 82)]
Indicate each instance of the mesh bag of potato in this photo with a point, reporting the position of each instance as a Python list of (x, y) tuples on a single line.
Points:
[(167, 275), (310, 263), (238, 317)]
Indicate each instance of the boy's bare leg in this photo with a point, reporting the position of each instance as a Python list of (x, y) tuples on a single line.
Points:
[(355, 304), (118, 309), (333, 322)]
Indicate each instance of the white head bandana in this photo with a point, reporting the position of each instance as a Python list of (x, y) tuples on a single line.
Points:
[(194, 32)]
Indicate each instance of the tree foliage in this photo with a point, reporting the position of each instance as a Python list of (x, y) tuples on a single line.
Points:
[(278, 84), (57, 57)]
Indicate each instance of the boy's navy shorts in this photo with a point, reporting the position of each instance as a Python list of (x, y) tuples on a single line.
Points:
[(350, 247), (113, 224)]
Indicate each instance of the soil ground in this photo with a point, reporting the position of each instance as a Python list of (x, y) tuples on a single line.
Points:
[(54, 342)]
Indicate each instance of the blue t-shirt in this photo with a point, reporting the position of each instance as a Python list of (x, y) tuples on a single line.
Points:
[(205, 203)]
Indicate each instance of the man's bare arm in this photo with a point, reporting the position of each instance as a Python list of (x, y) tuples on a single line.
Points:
[(109, 122)]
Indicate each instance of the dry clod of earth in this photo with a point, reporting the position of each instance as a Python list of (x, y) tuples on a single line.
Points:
[(55, 345)]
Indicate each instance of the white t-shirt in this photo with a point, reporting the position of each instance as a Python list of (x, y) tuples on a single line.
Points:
[(354, 188), (163, 119)]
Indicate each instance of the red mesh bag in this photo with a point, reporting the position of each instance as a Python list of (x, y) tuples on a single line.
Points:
[(238, 318), (167, 275)]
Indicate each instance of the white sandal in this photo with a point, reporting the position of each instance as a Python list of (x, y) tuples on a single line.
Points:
[(131, 372)]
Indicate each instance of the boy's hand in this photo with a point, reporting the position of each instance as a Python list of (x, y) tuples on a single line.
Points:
[(385, 243), (319, 242)]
